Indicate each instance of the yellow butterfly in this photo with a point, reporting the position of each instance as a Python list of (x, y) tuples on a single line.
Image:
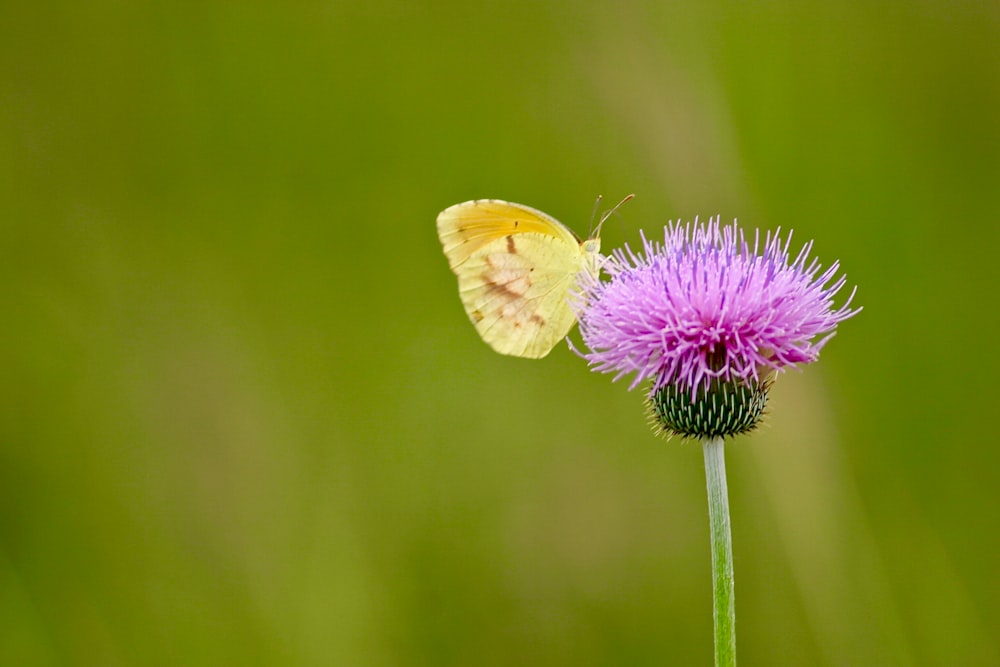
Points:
[(516, 267)]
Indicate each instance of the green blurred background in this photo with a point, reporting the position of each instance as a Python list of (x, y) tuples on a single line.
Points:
[(244, 419)]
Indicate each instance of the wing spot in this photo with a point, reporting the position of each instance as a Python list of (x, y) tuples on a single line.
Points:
[(538, 319), (503, 275), (512, 287), (511, 248), (477, 316)]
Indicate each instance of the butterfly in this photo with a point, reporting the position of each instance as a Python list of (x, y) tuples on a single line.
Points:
[(516, 267)]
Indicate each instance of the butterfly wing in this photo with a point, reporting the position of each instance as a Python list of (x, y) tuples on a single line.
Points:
[(515, 266)]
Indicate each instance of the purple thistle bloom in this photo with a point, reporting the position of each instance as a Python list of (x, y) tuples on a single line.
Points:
[(707, 305)]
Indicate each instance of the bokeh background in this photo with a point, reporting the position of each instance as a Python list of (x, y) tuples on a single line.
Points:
[(244, 420)]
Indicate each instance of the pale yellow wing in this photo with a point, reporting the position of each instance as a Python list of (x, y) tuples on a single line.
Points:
[(515, 267)]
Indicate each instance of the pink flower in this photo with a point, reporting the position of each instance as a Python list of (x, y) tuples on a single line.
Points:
[(706, 305)]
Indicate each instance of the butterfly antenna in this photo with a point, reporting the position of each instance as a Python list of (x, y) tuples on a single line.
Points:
[(608, 214), (593, 213)]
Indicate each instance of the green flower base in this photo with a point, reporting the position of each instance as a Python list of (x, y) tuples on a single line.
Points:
[(725, 409)]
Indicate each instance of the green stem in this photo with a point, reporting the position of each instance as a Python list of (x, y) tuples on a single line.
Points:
[(724, 606)]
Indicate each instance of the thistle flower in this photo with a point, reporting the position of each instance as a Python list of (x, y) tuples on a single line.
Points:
[(709, 315), (709, 318)]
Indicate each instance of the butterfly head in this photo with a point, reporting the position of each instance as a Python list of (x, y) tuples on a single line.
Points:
[(592, 246)]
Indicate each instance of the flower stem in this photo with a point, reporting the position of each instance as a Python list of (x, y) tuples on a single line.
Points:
[(724, 605)]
